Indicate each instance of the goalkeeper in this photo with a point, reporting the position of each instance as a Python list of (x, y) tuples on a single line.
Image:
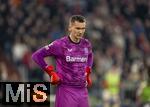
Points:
[(74, 59)]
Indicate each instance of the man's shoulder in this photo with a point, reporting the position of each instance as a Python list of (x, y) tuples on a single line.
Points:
[(63, 39), (60, 41), (86, 42)]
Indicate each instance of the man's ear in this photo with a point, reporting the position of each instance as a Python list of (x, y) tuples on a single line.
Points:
[(69, 28)]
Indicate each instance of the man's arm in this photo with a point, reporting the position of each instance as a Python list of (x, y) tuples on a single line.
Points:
[(52, 49), (39, 56), (89, 66), (90, 60)]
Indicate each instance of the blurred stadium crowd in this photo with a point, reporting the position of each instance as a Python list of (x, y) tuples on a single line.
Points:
[(118, 29)]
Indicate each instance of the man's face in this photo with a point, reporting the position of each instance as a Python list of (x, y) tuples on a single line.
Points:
[(77, 29)]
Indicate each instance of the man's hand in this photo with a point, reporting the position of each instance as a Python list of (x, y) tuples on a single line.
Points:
[(54, 78), (88, 78)]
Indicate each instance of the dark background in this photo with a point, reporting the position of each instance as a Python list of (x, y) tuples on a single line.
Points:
[(119, 31)]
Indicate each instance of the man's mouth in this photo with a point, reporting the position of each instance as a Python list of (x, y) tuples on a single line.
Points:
[(80, 34)]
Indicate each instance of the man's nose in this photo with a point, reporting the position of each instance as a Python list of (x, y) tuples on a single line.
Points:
[(80, 31)]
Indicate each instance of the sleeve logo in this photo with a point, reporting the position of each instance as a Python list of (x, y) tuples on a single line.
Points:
[(47, 46)]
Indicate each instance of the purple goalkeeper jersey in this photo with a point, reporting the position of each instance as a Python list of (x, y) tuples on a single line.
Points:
[(71, 59)]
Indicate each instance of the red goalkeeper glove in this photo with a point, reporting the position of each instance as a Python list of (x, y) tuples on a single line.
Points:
[(88, 78), (55, 79)]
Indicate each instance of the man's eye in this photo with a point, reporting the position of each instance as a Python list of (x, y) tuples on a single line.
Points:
[(80, 28)]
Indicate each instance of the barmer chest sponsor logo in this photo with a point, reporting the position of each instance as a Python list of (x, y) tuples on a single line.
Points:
[(76, 59)]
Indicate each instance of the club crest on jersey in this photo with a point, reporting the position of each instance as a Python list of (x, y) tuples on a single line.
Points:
[(86, 50)]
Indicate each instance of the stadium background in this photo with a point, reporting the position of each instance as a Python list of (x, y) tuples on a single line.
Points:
[(118, 29)]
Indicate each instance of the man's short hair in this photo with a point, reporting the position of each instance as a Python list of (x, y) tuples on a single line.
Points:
[(77, 18)]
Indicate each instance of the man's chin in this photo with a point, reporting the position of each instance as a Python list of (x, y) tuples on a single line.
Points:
[(80, 37)]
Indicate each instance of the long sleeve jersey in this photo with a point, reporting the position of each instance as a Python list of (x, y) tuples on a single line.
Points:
[(71, 59)]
